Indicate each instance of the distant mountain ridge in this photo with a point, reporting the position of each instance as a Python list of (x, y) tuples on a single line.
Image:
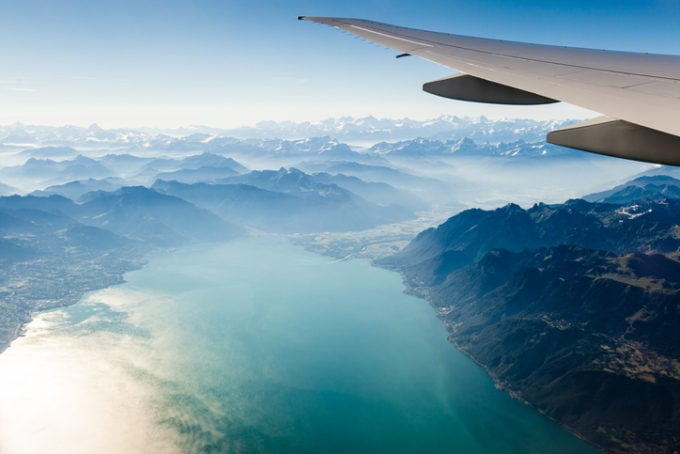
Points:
[(327, 147), (346, 128), (656, 188), (142, 213), (137, 213), (468, 147), (371, 128), (141, 156), (288, 200), (58, 171), (75, 189)]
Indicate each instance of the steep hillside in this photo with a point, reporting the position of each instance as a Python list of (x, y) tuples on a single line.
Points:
[(573, 308)]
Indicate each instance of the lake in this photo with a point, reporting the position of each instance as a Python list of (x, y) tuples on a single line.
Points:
[(255, 346)]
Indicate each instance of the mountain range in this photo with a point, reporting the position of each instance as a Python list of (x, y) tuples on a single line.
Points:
[(136, 213), (289, 200), (650, 188), (345, 128), (572, 307)]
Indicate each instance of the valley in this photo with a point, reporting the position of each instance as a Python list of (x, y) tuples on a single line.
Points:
[(564, 292)]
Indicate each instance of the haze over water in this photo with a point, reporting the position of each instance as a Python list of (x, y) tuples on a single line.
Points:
[(255, 346)]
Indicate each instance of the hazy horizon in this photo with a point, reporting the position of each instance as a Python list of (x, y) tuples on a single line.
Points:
[(579, 114)]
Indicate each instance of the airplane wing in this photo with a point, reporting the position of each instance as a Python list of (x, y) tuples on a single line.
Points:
[(638, 94)]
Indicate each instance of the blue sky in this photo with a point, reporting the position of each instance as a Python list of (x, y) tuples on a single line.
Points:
[(228, 63)]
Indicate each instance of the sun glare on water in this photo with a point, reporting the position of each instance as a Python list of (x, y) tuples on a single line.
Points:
[(66, 393)]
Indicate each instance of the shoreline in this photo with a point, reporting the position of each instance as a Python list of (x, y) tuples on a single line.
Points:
[(423, 294), (118, 278), (142, 305), (505, 387), (501, 385), (135, 260), (73, 298)]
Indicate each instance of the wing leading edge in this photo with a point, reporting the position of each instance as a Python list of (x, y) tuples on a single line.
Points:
[(639, 94)]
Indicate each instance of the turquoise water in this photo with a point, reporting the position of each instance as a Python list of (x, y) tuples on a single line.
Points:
[(255, 346)]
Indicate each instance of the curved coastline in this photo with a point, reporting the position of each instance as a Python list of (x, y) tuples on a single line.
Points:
[(305, 336)]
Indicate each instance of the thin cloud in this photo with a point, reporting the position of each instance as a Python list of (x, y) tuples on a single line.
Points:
[(22, 90), (290, 79)]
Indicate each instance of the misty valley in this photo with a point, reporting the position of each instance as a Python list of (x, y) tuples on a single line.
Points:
[(352, 284)]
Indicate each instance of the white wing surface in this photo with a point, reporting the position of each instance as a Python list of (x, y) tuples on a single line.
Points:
[(639, 94)]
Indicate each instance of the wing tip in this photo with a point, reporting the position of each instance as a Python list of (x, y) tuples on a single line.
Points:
[(333, 21)]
